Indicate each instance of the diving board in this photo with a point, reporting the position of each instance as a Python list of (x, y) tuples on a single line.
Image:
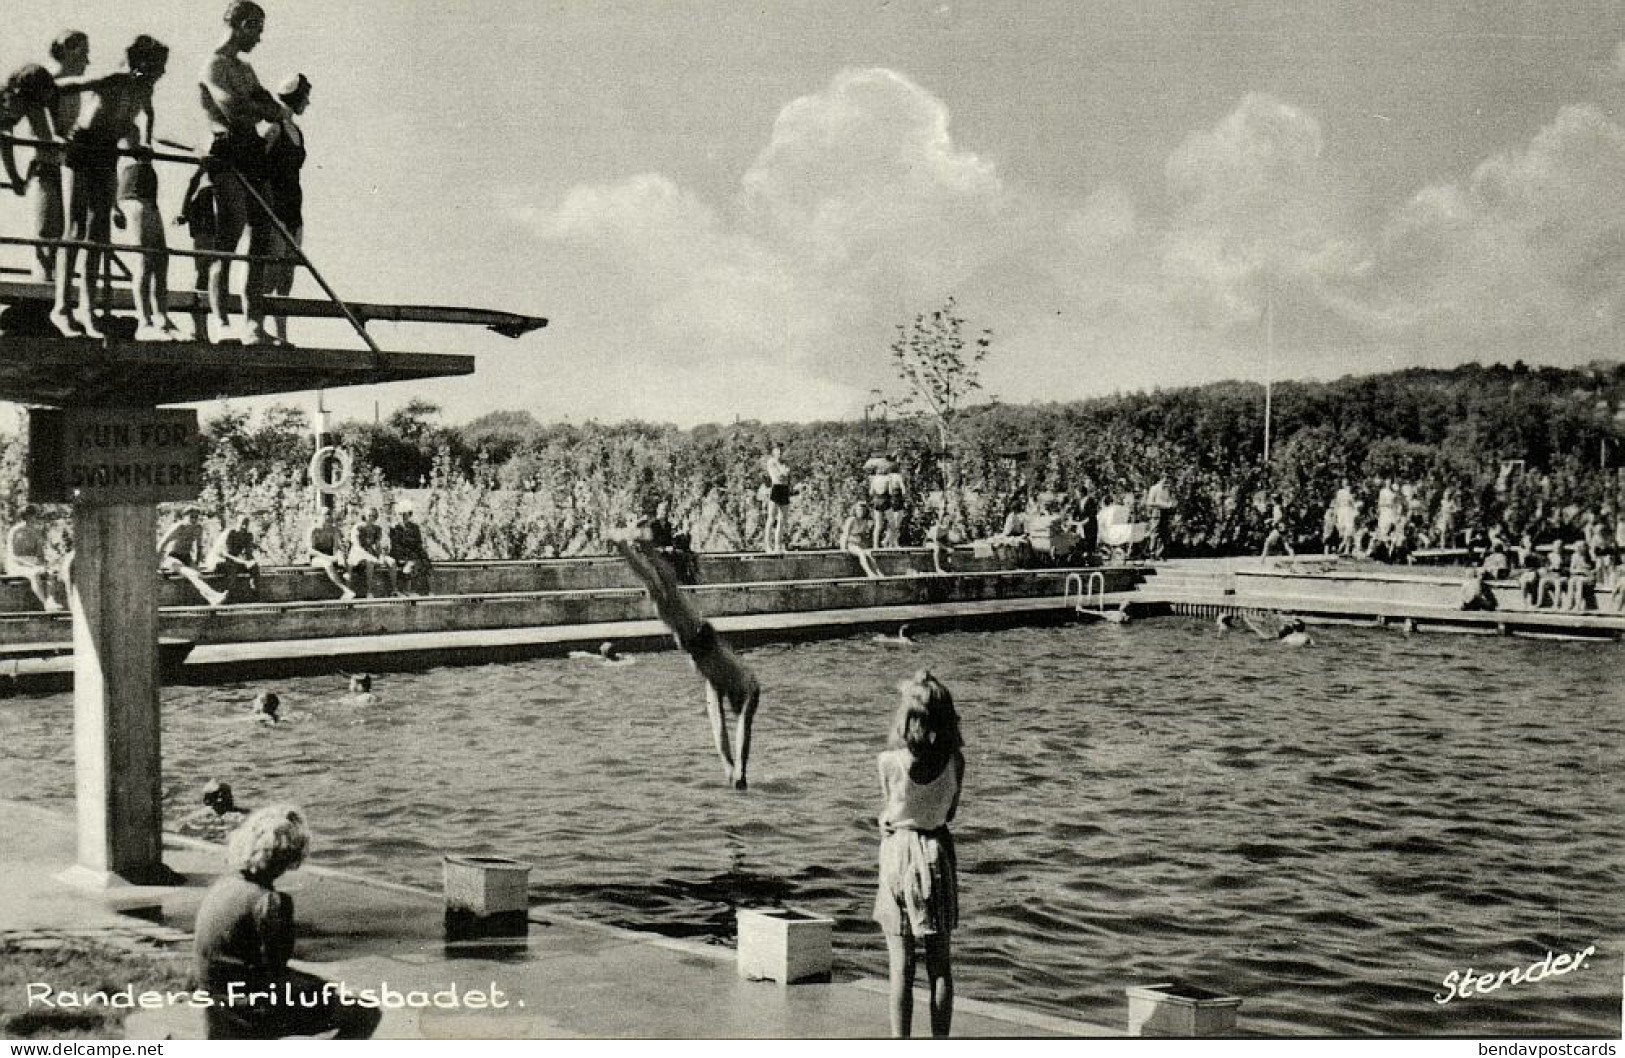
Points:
[(508, 324), (83, 372)]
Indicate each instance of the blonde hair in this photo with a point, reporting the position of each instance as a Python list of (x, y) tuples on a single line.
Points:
[(270, 842), (926, 723)]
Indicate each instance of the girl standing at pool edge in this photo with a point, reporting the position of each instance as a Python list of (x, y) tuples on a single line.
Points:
[(920, 779)]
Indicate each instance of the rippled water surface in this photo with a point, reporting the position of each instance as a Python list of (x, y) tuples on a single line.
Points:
[(1326, 832)]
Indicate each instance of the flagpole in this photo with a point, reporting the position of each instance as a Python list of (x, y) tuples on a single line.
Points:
[(1269, 366)]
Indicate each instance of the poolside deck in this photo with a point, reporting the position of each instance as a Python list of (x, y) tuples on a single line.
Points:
[(563, 979)]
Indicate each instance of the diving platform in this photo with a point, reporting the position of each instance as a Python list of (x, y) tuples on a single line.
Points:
[(83, 372), (186, 302)]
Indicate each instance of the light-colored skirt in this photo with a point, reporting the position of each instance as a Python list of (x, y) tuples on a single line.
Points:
[(919, 883)]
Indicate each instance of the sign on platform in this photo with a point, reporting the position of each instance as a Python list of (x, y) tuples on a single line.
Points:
[(106, 456)]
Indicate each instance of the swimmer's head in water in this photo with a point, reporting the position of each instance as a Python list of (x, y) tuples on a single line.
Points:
[(607, 651), (267, 702), (360, 683), (217, 795)]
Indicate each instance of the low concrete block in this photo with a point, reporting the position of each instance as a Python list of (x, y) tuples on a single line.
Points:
[(486, 885), (1183, 1010), (785, 945)]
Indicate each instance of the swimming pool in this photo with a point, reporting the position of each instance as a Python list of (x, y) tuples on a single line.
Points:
[(1326, 832)]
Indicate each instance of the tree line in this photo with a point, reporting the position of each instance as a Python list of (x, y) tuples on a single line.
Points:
[(1520, 446)]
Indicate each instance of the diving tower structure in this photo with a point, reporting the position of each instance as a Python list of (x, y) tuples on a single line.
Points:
[(105, 439)]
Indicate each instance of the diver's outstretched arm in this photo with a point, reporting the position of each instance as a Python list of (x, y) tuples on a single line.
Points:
[(664, 591)]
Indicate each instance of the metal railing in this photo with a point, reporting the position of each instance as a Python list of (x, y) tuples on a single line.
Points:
[(111, 250)]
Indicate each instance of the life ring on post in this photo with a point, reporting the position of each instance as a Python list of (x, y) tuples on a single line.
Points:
[(343, 465)]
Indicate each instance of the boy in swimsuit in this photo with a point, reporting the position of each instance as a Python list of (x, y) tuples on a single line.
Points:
[(181, 551), (778, 500), (727, 680), (235, 103), (91, 158), (137, 210), (25, 557), (322, 551)]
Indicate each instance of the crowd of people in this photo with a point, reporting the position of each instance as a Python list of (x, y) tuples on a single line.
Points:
[(92, 168), (368, 559)]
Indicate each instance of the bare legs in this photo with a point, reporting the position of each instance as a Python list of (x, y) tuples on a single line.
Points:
[(733, 769), (866, 559), (727, 680), (90, 214), (39, 582), (151, 272), (238, 212), (939, 972), (45, 191), (175, 565), (773, 528)]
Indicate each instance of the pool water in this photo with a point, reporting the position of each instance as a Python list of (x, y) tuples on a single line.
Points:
[(1327, 832)]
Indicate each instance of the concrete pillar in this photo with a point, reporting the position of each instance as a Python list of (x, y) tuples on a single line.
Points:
[(115, 695)]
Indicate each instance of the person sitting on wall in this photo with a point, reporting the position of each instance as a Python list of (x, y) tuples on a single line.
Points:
[(368, 556), (1553, 577), (407, 548), (856, 532), (671, 545), (235, 555), (322, 552), (1476, 593), (1580, 594), (25, 557), (181, 550)]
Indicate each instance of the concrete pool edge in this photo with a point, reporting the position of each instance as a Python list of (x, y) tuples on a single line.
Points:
[(595, 959)]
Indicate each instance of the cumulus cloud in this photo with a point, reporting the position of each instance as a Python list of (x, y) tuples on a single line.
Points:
[(1254, 209), (1531, 248), (861, 210)]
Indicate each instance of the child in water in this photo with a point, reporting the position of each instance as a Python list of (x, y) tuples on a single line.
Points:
[(921, 775)]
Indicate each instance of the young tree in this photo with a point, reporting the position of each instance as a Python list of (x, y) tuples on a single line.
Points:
[(939, 369)]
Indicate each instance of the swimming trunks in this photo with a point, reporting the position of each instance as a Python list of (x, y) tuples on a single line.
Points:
[(138, 182), (880, 503), (703, 642), (780, 494), (91, 151), (239, 150)]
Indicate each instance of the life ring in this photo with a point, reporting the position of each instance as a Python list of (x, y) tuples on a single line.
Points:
[(318, 469)]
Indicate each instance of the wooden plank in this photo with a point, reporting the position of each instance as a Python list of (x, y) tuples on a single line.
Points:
[(510, 324), (57, 371)]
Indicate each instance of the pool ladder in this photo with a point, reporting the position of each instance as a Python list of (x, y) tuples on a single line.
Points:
[(1093, 588)]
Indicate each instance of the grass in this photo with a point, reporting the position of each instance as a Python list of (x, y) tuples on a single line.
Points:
[(79, 965)]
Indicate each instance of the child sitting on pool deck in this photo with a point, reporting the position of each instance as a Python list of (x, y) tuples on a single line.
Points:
[(726, 677), (918, 897)]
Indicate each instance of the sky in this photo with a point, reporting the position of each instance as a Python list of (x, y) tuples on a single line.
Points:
[(727, 209)]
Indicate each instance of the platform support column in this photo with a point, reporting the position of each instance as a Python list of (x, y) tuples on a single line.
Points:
[(115, 695)]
